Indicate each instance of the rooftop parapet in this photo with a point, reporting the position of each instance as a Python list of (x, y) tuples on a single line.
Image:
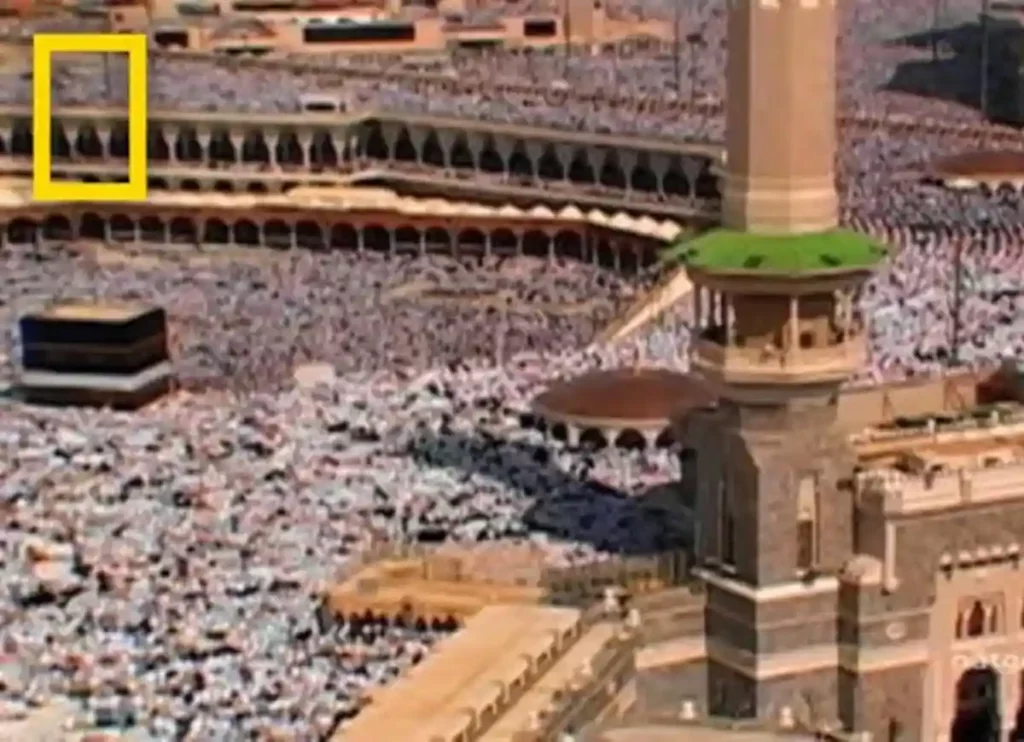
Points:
[(898, 492)]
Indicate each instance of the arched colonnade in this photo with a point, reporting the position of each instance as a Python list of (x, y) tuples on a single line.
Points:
[(671, 174), (385, 233)]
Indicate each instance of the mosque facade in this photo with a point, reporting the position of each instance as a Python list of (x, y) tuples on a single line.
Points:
[(862, 580)]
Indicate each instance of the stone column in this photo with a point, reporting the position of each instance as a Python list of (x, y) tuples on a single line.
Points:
[(794, 325), (727, 319)]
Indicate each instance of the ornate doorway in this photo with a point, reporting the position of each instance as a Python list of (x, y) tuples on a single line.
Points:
[(977, 716)]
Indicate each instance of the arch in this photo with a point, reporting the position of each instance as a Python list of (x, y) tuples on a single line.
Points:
[(675, 182), (642, 177), (519, 163), (152, 230), (376, 238), (706, 184), (310, 235), (631, 439), (246, 232), (21, 138), (157, 184), (432, 152), (629, 262), (277, 234), (222, 149), (536, 244), (118, 141), (322, 152), (254, 148), (57, 227), (375, 146), (979, 617), (224, 186), (183, 231), (216, 232), (60, 147), (471, 241), (977, 716), (461, 156), (186, 145), (88, 143), (612, 175), (122, 227), (407, 238), (156, 145), (438, 239), (504, 242), (22, 231), (191, 185), (666, 439), (490, 160), (343, 236), (549, 166), (569, 244), (580, 169), (92, 227), (287, 150), (405, 150), (593, 439)]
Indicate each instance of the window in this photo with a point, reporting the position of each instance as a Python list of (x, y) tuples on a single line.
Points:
[(807, 523), (358, 33), (539, 29), (262, 7), (171, 38), (978, 618), (975, 623)]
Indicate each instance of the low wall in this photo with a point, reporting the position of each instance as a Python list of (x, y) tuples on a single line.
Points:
[(863, 407)]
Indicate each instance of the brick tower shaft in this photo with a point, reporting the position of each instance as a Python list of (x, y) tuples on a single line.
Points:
[(780, 117)]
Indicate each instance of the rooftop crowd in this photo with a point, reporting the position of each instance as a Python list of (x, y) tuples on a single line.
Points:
[(164, 566)]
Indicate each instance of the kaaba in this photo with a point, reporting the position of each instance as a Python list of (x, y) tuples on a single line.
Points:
[(98, 354)]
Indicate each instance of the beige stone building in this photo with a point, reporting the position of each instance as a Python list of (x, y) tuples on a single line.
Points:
[(274, 27), (858, 551)]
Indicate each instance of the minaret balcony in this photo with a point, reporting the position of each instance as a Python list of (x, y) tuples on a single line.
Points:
[(734, 363)]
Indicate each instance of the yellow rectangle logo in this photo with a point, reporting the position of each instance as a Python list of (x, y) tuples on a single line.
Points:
[(44, 46)]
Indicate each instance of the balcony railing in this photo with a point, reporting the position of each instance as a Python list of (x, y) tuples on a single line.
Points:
[(773, 364)]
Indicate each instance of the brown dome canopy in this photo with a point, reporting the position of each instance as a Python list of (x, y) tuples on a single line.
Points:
[(642, 398), (986, 166)]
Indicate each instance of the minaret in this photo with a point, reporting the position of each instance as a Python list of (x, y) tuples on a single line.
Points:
[(777, 334), (780, 116)]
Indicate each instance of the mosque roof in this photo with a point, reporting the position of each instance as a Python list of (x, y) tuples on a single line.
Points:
[(992, 168), (641, 398), (982, 162), (16, 193)]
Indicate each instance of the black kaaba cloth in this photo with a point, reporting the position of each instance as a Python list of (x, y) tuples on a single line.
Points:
[(83, 338), (113, 354)]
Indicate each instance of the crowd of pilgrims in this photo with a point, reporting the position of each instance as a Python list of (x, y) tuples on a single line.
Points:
[(164, 566)]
